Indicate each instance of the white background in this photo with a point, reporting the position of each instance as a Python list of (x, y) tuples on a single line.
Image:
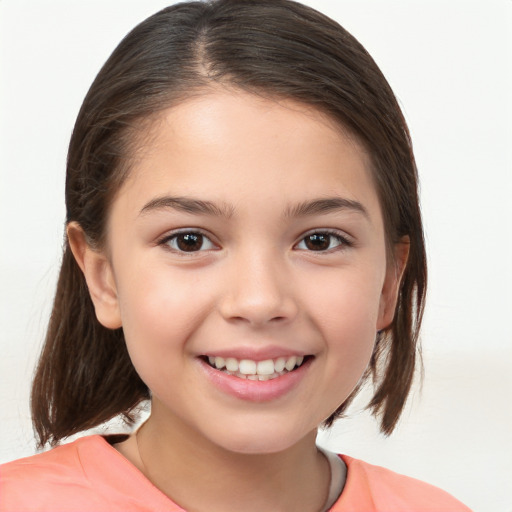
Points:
[(450, 64)]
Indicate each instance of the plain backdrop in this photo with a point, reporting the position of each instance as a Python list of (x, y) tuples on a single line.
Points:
[(450, 64)]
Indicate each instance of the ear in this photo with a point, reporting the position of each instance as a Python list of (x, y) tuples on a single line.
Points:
[(393, 279), (98, 275)]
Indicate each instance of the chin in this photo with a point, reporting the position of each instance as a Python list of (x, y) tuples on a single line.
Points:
[(261, 440)]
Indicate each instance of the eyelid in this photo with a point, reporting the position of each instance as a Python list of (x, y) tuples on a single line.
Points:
[(164, 239), (346, 241)]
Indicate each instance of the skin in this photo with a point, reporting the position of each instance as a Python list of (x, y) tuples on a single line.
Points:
[(255, 283)]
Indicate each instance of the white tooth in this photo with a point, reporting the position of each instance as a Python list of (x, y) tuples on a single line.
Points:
[(300, 359), (211, 360), (290, 363), (247, 367), (252, 377), (231, 364), (241, 375), (219, 362), (279, 364), (263, 377), (265, 367)]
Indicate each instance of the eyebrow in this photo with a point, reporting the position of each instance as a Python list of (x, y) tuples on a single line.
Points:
[(188, 205), (326, 205), (201, 207)]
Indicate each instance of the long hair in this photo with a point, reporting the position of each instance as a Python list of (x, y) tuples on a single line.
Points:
[(274, 48)]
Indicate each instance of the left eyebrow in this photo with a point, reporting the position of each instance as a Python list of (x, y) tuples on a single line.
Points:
[(188, 205), (326, 205)]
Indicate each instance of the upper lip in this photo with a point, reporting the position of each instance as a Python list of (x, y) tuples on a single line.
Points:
[(255, 353)]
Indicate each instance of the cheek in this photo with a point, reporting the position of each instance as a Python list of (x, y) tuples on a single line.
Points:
[(347, 302), (159, 313), (346, 314)]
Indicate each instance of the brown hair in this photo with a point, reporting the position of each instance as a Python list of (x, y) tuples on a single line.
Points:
[(276, 48)]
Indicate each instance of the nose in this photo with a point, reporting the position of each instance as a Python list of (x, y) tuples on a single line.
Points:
[(259, 291)]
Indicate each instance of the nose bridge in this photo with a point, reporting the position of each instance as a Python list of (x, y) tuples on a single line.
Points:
[(259, 288)]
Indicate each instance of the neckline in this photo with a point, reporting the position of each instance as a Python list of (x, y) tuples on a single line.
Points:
[(337, 466), (126, 474), (338, 470)]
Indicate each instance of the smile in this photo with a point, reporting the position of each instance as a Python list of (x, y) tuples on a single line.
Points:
[(256, 370)]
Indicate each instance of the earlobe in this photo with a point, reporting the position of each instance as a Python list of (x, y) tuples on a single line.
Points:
[(391, 287), (98, 275)]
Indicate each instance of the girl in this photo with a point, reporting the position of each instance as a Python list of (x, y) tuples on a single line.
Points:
[(244, 249)]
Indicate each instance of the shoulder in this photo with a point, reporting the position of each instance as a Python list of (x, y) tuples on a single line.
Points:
[(47, 479), (65, 456), (85, 475), (374, 488)]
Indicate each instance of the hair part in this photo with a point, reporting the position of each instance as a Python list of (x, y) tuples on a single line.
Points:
[(85, 376)]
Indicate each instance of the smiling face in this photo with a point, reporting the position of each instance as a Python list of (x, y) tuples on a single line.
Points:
[(246, 263)]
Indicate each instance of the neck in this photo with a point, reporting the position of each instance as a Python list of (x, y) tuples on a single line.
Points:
[(200, 476)]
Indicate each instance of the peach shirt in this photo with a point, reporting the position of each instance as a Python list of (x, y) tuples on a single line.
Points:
[(90, 475)]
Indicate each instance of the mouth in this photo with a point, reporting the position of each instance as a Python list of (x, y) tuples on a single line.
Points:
[(249, 369)]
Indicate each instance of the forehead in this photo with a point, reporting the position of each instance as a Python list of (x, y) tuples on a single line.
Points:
[(233, 146)]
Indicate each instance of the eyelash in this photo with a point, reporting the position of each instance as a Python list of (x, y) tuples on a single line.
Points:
[(342, 242), (173, 238)]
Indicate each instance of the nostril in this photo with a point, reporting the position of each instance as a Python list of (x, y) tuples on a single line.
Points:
[(257, 302), (253, 319)]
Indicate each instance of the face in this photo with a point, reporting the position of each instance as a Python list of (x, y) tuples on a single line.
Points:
[(246, 263)]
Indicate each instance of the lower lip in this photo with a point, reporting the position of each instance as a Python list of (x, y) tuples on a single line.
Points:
[(256, 390)]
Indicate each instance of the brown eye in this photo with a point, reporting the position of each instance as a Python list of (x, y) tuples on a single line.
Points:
[(317, 242), (321, 242), (189, 242)]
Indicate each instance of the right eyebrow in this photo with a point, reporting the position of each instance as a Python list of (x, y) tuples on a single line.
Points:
[(326, 205), (188, 205)]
